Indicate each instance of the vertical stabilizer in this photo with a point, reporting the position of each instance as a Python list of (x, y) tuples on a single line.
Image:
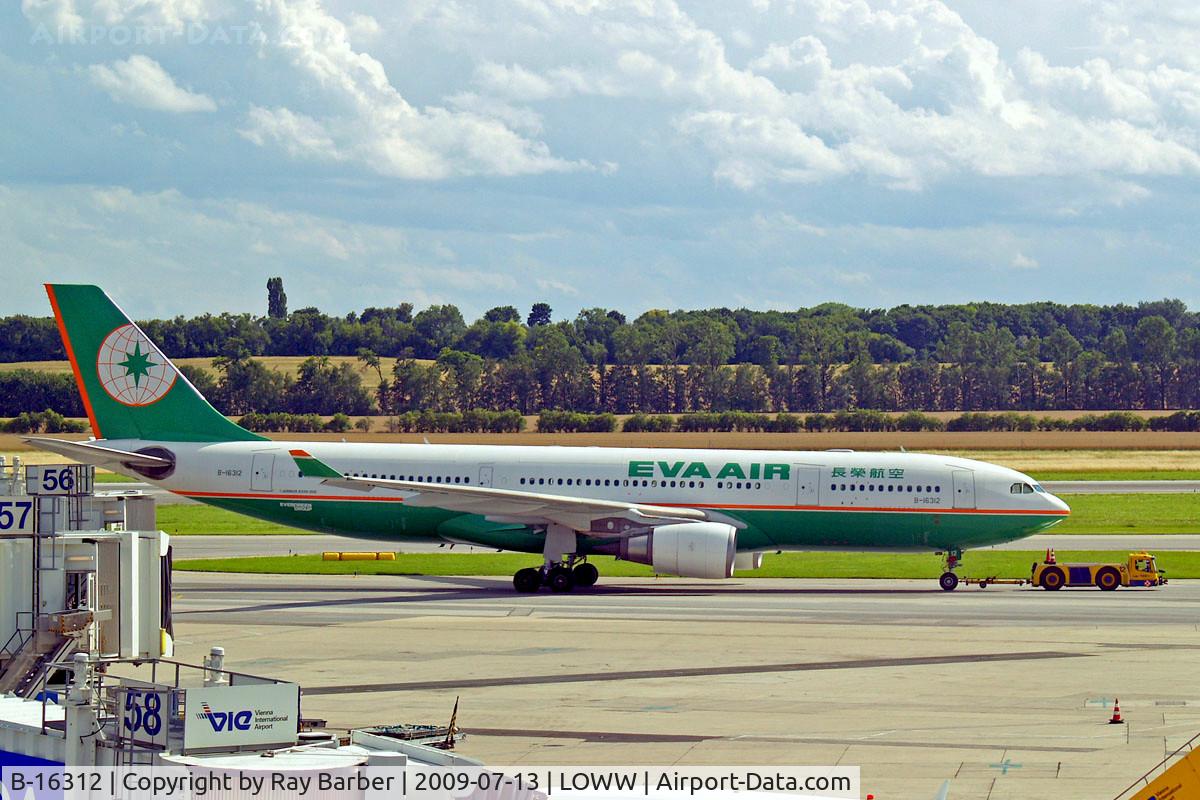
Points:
[(129, 388)]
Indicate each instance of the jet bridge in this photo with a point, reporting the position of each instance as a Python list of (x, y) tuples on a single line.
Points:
[(86, 677), (84, 573)]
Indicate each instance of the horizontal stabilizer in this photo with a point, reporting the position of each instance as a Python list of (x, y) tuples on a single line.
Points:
[(90, 453), (312, 467)]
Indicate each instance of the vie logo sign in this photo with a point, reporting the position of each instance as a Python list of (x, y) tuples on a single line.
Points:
[(250, 715), (227, 720)]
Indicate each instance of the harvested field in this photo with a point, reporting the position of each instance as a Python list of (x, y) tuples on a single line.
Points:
[(288, 364), (1038, 462)]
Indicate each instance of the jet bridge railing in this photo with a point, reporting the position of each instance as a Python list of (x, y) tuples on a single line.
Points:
[(118, 698), (20, 636)]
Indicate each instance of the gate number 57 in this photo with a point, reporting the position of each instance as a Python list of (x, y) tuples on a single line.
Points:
[(14, 514)]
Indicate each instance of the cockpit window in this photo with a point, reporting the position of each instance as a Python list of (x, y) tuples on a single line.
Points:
[(1014, 489), (1037, 487), (1021, 488)]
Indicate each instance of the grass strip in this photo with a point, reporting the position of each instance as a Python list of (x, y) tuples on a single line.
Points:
[(1090, 513), (1131, 513), (112, 477), (194, 520), (977, 564)]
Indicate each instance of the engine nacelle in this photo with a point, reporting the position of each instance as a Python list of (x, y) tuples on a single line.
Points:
[(687, 549)]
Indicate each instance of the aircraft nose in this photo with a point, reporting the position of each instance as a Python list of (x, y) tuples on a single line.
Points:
[(1057, 503)]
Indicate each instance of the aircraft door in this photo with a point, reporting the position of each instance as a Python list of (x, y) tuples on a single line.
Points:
[(485, 475), (262, 473), (964, 488), (808, 484)]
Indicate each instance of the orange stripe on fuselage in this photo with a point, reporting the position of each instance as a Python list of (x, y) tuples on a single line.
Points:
[(274, 496), (66, 340), (884, 509)]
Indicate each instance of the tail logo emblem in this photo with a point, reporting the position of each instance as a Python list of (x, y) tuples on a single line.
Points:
[(131, 369)]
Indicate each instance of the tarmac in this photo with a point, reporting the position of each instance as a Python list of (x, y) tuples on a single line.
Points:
[(1006, 692)]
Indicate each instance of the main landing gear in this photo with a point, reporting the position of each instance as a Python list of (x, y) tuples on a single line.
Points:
[(562, 576), (949, 580), (562, 569)]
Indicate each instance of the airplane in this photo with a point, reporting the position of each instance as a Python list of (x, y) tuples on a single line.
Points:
[(687, 512)]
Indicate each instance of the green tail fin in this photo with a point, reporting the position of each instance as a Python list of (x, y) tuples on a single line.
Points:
[(129, 388)]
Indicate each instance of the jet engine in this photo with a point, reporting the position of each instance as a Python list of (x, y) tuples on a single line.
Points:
[(687, 549)]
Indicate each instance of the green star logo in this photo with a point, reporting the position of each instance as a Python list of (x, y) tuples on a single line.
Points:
[(137, 364)]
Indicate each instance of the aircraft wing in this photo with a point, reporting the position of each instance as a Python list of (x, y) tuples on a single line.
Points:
[(508, 505), (92, 453)]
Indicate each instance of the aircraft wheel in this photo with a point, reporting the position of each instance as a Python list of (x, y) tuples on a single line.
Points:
[(527, 580), (1053, 579), (1108, 579), (948, 581), (560, 580), (585, 575)]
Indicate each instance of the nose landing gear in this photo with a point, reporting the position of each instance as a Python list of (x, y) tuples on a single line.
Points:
[(949, 580)]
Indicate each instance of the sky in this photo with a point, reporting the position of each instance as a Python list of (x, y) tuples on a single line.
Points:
[(633, 155)]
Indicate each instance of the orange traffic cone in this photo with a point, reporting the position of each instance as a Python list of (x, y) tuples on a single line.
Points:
[(1116, 717)]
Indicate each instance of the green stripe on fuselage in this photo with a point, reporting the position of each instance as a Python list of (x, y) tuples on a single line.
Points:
[(766, 528)]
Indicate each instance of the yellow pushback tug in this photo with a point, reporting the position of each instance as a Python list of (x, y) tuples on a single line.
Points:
[(1138, 569)]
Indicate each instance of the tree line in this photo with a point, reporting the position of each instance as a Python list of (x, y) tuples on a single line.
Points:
[(965, 357)]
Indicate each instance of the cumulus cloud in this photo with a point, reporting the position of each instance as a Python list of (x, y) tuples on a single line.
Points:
[(59, 16), (370, 122), (142, 82), (69, 16), (906, 94)]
